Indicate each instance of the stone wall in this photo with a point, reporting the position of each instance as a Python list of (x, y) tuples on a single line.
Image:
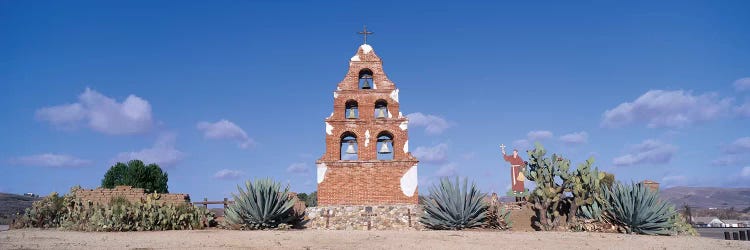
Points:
[(104, 195), (386, 217)]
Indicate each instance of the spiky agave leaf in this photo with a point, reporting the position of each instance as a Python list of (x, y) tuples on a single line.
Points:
[(451, 206), (638, 209), (262, 204)]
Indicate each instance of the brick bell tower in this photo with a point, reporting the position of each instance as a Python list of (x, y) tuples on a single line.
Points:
[(367, 159)]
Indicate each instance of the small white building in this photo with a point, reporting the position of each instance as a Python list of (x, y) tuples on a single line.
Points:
[(707, 222)]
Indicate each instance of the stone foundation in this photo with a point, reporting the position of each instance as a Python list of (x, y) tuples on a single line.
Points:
[(382, 217)]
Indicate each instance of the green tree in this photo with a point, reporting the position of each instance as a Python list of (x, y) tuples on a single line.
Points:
[(302, 197), (312, 199), (136, 174)]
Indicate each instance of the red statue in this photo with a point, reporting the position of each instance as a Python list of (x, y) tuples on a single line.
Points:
[(517, 166)]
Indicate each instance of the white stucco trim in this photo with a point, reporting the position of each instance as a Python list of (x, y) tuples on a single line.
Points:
[(404, 125), (355, 58), (335, 94), (394, 95), (406, 146), (366, 48), (409, 181), (329, 129), (322, 168)]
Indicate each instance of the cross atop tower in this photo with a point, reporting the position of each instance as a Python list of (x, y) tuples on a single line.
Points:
[(365, 33)]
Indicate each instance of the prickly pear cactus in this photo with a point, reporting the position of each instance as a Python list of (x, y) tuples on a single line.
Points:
[(552, 176), (585, 187)]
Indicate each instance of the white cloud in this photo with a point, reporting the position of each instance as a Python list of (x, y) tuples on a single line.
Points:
[(163, 152), (433, 124), (742, 84), (225, 129), (101, 113), (447, 170), (521, 144), (50, 160), (745, 172), (298, 168), (434, 154), (727, 160), (659, 108), (532, 137), (744, 110), (228, 174), (538, 135), (739, 146), (575, 138), (650, 151)]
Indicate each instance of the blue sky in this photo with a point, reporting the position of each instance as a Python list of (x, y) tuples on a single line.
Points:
[(224, 92)]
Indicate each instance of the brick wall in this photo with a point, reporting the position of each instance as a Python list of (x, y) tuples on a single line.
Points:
[(104, 195), (367, 180)]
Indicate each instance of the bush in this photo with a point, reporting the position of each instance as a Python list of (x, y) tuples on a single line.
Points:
[(45, 213), (637, 209), (119, 215), (498, 217), (312, 199), (136, 174), (262, 204), (452, 207)]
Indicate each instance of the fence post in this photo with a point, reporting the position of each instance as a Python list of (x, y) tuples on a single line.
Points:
[(205, 203), (226, 203)]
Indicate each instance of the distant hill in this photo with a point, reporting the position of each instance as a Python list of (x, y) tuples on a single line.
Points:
[(708, 197), (10, 204)]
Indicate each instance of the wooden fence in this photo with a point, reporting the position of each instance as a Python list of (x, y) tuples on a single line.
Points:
[(206, 202)]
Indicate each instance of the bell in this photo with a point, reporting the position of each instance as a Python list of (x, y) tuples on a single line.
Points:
[(366, 84), (384, 149), (350, 149), (351, 114), (381, 112)]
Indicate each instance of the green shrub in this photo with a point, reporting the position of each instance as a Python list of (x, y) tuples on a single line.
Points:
[(72, 213), (262, 204), (452, 207), (138, 175), (498, 217), (45, 213), (552, 178), (638, 210), (312, 199)]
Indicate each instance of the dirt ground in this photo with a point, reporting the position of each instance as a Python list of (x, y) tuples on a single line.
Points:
[(320, 239)]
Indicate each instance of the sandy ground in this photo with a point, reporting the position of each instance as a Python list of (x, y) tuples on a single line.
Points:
[(319, 239)]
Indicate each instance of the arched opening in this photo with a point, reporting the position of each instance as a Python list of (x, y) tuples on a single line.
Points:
[(385, 146), (365, 79), (381, 109), (348, 146), (352, 111)]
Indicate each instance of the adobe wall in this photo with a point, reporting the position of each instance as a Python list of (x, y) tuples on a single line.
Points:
[(104, 195)]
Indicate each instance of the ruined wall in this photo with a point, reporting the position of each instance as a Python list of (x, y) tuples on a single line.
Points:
[(390, 217), (104, 195)]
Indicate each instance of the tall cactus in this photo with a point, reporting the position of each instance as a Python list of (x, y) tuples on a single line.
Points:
[(551, 176), (585, 187)]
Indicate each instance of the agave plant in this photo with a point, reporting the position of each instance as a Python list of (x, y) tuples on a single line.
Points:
[(452, 207), (262, 204), (638, 209)]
